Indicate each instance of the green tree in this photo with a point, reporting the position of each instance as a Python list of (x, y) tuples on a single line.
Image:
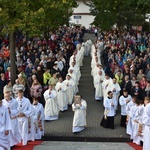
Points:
[(32, 17), (119, 12)]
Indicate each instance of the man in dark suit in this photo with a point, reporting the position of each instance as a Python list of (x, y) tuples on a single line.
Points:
[(126, 84), (137, 91)]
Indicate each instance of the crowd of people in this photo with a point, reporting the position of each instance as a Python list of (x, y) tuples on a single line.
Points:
[(121, 75), (48, 78), (48, 70)]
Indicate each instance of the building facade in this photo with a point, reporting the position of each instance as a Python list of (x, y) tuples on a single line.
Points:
[(81, 14)]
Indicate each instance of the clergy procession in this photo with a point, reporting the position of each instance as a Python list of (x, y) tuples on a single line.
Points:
[(27, 104), (121, 77), (49, 72)]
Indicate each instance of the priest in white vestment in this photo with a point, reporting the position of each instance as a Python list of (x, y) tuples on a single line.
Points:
[(92, 50), (109, 112), (146, 122), (100, 68), (128, 111), (95, 60), (136, 123), (88, 47), (86, 53), (141, 130), (95, 52), (12, 105), (95, 70), (123, 101), (61, 90), (134, 119), (74, 58), (98, 80), (38, 118), (76, 70), (80, 54), (75, 79), (115, 88), (70, 88), (51, 106), (106, 83), (5, 127), (79, 121), (100, 45), (25, 111)]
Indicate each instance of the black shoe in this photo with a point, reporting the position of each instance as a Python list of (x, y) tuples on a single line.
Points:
[(11, 148), (141, 143), (47, 120), (76, 132)]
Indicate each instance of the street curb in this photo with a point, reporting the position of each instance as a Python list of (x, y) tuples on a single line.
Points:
[(86, 139)]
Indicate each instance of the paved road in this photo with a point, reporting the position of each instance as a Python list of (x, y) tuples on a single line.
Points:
[(62, 128), (82, 146)]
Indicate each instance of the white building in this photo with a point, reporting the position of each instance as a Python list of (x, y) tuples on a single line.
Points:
[(148, 18), (81, 14)]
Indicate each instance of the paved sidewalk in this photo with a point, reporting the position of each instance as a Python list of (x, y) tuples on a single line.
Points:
[(82, 146), (62, 128)]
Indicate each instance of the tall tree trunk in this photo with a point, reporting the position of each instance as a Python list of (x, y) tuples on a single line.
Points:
[(120, 35), (12, 57)]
